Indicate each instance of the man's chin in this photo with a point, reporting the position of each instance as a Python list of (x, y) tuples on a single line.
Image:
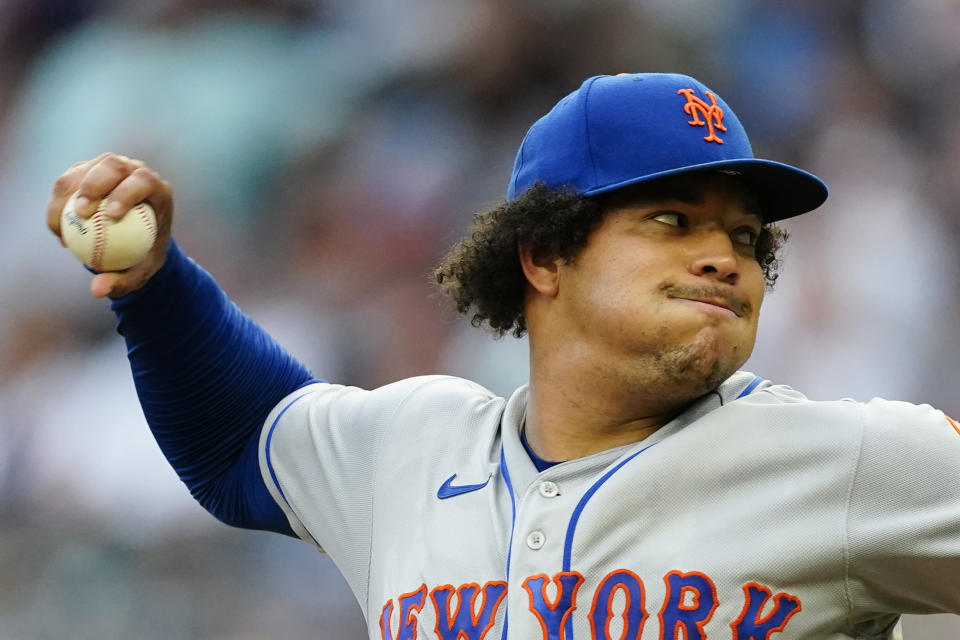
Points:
[(702, 365), (704, 376)]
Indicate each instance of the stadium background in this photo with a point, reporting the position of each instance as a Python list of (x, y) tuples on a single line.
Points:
[(323, 156)]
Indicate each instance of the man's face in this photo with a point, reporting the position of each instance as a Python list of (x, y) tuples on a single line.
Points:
[(667, 291)]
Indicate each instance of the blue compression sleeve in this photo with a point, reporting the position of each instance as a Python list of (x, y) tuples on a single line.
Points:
[(207, 376)]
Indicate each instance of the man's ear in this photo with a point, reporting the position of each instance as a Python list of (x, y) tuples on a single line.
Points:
[(543, 274)]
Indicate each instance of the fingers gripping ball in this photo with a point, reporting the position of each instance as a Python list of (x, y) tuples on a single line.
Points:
[(108, 244)]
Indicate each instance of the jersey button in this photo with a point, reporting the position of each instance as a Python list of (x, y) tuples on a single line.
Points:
[(536, 539), (549, 489)]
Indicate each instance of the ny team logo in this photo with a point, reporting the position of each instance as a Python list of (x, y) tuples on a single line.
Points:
[(711, 114)]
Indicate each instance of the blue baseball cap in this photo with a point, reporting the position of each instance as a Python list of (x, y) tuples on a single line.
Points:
[(616, 131)]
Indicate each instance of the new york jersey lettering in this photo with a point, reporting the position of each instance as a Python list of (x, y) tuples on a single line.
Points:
[(750, 625), (410, 604), (678, 614), (618, 611), (466, 623), (634, 611), (554, 617)]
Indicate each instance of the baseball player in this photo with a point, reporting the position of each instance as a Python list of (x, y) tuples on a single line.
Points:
[(640, 486)]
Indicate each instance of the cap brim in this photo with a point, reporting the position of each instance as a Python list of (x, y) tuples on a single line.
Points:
[(783, 191)]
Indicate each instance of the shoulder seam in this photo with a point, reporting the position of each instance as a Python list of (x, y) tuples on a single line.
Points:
[(854, 472)]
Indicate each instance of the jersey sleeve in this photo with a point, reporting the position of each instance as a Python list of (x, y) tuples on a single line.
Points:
[(904, 511), (321, 455)]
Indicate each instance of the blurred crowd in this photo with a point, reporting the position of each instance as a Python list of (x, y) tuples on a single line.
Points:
[(324, 154)]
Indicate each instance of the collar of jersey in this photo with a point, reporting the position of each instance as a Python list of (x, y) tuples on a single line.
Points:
[(523, 472)]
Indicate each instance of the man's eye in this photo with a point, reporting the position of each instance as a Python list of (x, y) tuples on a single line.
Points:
[(671, 218), (746, 236)]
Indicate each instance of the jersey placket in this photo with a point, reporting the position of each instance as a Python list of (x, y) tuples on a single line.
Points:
[(543, 588)]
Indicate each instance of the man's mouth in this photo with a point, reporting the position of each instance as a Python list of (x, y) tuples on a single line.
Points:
[(709, 296)]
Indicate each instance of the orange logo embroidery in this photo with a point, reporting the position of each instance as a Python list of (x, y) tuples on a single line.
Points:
[(953, 424), (712, 114)]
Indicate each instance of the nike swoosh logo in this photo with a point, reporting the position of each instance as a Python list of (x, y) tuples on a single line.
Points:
[(448, 490)]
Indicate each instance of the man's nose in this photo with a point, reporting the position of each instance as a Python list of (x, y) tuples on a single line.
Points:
[(716, 258)]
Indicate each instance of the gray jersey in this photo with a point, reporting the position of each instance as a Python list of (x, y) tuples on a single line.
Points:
[(755, 514)]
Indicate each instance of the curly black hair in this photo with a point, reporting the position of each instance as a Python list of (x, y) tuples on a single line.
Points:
[(482, 272)]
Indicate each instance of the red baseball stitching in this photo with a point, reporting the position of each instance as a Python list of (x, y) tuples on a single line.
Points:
[(99, 240), (148, 220), (100, 223)]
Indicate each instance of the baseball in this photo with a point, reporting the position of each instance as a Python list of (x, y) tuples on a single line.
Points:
[(107, 244)]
